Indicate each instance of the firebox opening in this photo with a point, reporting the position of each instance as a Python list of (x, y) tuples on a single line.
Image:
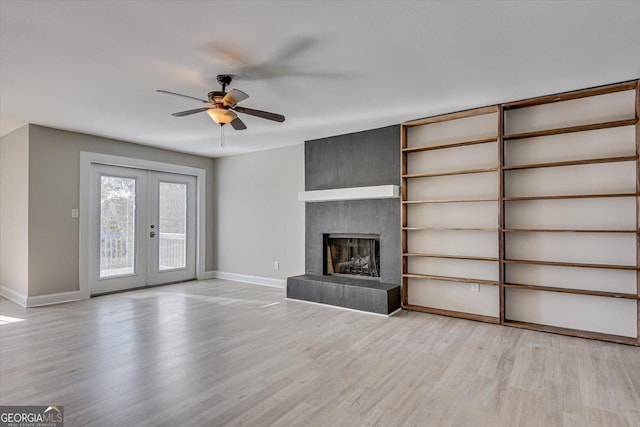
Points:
[(355, 255)]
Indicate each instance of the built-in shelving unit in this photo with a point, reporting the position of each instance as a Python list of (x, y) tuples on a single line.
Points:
[(527, 213), (571, 238), (450, 197)]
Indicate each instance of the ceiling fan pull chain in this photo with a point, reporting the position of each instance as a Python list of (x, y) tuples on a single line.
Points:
[(222, 136)]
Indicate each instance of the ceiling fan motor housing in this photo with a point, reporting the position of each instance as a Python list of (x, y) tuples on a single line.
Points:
[(216, 96)]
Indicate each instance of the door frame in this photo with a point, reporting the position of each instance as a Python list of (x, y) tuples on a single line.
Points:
[(89, 158), (137, 278), (155, 276)]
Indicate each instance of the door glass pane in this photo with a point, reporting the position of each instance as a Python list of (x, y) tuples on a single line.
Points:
[(117, 226), (172, 250)]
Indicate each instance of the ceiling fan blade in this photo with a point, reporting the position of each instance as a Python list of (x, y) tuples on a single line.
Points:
[(262, 114), (184, 96), (189, 112), (293, 48), (238, 124), (224, 53), (233, 97)]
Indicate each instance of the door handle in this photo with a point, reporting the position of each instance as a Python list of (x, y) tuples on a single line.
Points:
[(152, 234)]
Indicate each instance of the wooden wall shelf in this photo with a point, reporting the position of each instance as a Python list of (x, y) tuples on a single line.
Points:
[(452, 116), (570, 196), (451, 279), (573, 291), (571, 129), (410, 202), (451, 313), (572, 264), (573, 163), (461, 257), (456, 172), (470, 129), (576, 94), (549, 230), (450, 145), (449, 229), (572, 332)]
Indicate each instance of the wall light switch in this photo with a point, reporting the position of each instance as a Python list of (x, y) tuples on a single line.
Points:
[(276, 265), (75, 213), (475, 287)]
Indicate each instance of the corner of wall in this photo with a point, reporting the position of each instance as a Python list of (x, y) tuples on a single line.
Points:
[(14, 214), (14, 296)]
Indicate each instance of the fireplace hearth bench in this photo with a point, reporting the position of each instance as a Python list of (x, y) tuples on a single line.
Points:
[(348, 292)]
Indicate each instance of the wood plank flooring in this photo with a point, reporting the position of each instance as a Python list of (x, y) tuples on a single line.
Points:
[(217, 353)]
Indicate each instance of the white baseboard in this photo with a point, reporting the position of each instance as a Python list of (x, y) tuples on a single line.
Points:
[(207, 275), (56, 298), (14, 296), (256, 280)]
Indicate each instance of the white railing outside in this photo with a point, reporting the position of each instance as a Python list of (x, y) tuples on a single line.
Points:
[(172, 251), (117, 253)]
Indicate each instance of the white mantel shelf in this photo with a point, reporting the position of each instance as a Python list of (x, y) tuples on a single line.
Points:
[(352, 193)]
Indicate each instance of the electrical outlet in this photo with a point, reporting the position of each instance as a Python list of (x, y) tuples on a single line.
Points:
[(475, 287), (276, 265)]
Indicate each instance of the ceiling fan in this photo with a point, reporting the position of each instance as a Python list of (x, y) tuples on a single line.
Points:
[(223, 106)]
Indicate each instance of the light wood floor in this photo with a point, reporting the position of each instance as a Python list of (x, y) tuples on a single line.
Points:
[(215, 353)]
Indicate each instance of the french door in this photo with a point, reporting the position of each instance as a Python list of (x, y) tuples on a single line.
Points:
[(143, 228)]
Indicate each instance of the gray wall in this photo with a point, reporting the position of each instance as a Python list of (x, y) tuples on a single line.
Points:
[(360, 159), (14, 210), (54, 180), (259, 219)]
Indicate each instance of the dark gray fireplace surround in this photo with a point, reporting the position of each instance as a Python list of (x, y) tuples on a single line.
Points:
[(361, 159)]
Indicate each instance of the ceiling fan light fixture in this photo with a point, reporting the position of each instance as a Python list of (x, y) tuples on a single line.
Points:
[(221, 116)]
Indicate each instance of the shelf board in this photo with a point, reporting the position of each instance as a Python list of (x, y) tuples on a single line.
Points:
[(450, 145), (576, 94), (550, 230), (447, 229), (573, 332), (453, 116), (573, 162), (571, 129), (410, 202), (570, 196), (450, 313), (573, 291), (461, 257), (447, 173), (572, 264), (451, 279)]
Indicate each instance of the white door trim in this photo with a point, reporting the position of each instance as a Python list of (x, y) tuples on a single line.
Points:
[(86, 159)]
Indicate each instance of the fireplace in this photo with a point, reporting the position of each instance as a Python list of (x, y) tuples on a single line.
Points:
[(360, 270), (353, 255)]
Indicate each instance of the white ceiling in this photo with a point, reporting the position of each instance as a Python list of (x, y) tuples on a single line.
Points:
[(340, 66)]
